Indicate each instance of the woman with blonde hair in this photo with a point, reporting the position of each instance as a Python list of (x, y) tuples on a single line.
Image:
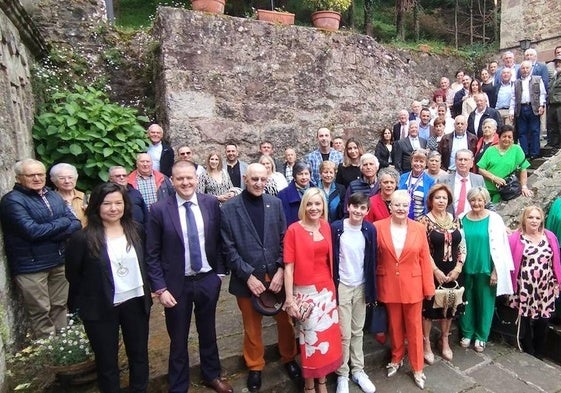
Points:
[(276, 181), (536, 277), (216, 181), (310, 290)]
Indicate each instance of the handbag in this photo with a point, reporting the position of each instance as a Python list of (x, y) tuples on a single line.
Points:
[(512, 189), (449, 298), (376, 320)]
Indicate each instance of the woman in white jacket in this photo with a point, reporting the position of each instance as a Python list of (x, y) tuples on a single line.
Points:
[(486, 270)]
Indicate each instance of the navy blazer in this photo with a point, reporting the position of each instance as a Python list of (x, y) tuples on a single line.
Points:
[(92, 287), (166, 160), (244, 251), (402, 150), (165, 246), (370, 244)]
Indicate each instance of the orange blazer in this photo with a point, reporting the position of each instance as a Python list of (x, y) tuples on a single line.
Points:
[(409, 278)]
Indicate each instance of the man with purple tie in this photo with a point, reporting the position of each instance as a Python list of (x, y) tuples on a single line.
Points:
[(184, 267)]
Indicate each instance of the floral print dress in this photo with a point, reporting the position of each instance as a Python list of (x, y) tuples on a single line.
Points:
[(536, 283)]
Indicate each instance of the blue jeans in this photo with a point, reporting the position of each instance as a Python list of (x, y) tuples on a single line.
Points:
[(528, 127)]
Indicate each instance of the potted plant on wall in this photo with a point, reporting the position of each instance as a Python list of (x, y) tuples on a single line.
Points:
[(275, 15), (328, 12), (212, 6)]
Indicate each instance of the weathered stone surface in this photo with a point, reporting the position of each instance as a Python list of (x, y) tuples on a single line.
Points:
[(534, 20), (241, 79), (16, 119)]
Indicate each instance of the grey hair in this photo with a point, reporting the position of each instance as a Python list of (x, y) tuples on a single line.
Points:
[(387, 171), (56, 169), (369, 156), (479, 192), (493, 122), (115, 167), (18, 166)]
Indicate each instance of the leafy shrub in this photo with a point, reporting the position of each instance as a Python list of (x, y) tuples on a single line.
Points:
[(83, 128), (330, 5)]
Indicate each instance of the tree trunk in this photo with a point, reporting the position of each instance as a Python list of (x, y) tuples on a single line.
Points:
[(369, 17), (456, 24), (416, 20)]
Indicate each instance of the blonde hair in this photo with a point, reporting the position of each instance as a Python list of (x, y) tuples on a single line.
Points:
[(524, 216), (310, 193)]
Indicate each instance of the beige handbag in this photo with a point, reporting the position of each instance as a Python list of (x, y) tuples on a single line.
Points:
[(449, 298)]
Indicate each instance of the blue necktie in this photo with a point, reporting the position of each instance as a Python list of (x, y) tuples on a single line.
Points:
[(193, 237)]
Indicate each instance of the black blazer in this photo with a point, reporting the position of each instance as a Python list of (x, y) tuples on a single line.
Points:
[(166, 160), (397, 131), (489, 113), (91, 281), (402, 150), (383, 154)]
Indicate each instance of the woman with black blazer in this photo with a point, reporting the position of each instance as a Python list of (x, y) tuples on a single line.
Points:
[(384, 149), (105, 269)]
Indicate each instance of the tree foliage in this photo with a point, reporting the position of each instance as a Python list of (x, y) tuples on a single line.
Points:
[(81, 127)]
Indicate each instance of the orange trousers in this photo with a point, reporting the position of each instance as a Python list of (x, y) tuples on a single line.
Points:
[(253, 349), (405, 321)]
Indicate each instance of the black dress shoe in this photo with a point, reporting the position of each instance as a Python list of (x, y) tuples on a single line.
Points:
[(293, 370), (254, 381)]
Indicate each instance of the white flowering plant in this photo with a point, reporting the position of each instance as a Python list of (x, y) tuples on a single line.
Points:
[(330, 5), (67, 347)]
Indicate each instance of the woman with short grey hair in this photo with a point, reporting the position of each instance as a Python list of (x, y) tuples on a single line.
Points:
[(64, 177)]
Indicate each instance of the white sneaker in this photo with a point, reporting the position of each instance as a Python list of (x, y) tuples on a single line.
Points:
[(362, 380), (342, 384)]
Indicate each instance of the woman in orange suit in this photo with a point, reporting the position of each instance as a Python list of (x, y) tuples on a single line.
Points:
[(404, 278)]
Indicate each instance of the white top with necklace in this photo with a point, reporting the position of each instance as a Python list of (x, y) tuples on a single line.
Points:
[(125, 269)]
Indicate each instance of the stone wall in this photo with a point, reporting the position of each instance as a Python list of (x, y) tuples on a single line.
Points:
[(536, 20), (19, 43), (226, 78)]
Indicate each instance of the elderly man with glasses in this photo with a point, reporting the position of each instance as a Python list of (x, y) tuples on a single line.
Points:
[(36, 223), (185, 153), (119, 175)]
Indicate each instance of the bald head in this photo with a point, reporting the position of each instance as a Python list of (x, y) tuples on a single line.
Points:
[(255, 179)]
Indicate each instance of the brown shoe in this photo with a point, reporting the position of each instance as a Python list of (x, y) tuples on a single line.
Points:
[(219, 386)]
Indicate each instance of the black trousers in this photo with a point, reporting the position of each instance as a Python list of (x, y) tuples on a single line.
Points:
[(133, 320), (534, 339)]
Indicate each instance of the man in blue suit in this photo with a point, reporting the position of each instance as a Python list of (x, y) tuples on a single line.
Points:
[(253, 227), (185, 265)]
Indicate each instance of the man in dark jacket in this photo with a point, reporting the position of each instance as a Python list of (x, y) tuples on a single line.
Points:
[(36, 223), (482, 112), (119, 175)]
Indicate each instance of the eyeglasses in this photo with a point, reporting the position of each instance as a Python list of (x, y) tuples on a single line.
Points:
[(32, 175), (122, 175), (185, 153)]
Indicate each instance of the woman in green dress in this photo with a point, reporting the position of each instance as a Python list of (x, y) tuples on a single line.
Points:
[(486, 269), (500, 161)]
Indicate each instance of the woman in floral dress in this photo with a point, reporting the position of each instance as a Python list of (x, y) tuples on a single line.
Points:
[(308, 281), (536, 277), (216, 181), (447, 249)]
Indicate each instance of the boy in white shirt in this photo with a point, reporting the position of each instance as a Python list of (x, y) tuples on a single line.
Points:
[(354, 265)]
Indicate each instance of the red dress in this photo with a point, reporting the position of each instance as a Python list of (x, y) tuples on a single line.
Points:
[(319, 335)]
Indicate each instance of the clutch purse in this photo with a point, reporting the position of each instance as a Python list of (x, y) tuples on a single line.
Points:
[(449, 298), (376, 320), (305, 309)]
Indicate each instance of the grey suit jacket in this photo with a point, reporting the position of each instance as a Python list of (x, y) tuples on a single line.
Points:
[(244, 251), (474, 179)]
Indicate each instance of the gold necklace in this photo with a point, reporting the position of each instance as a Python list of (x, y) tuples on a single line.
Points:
[(444, 223)]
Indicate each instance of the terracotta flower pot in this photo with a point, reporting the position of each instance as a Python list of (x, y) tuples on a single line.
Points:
[(212, 6), (328, 20), (284, 18)]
